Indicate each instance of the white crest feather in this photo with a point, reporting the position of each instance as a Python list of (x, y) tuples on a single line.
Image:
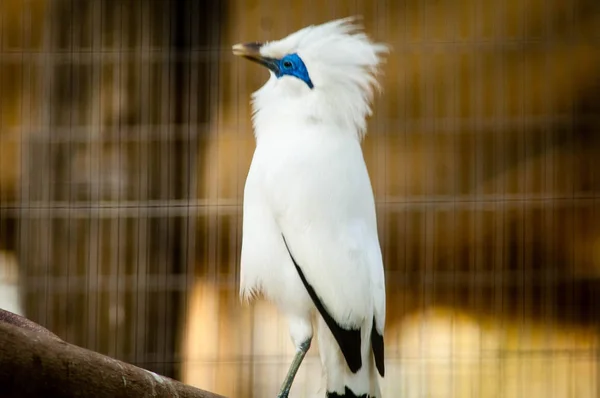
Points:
[(343, 64)]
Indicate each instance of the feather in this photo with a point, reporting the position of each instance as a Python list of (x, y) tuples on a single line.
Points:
[(377, 346), (347, 394)]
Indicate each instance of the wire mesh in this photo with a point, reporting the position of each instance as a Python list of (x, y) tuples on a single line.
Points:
[(125, 138)]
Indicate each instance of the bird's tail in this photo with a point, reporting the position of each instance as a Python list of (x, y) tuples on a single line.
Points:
[(341, 381)]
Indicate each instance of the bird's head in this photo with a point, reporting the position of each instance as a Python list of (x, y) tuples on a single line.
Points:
[(324, 73)]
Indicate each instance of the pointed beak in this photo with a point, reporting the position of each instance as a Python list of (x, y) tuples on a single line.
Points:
[(251, 51)]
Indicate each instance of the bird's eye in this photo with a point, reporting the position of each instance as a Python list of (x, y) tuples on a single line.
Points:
[(287, 64)]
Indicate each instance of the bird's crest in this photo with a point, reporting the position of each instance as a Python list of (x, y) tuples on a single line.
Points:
[(342, 64)]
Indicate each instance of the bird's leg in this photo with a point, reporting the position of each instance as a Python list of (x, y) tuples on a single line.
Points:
[(289, 379)]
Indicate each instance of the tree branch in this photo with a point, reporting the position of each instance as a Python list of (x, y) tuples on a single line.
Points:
[(36, 363)]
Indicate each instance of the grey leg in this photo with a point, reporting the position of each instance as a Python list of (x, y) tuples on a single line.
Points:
[(289, 379)]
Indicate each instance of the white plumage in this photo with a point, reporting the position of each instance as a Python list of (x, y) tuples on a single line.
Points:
[(308, 199)]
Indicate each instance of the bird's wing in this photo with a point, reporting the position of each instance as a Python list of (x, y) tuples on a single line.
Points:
[(337, 269), (327, 220), (335, 275)]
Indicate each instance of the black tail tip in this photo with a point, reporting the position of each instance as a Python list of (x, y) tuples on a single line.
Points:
[(348, 393)]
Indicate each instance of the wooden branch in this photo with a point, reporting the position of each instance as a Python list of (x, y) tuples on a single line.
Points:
[(36, 363)]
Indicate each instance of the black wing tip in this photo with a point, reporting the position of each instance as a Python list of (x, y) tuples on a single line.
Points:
[(348, 393), (347, 339), (378, 349)]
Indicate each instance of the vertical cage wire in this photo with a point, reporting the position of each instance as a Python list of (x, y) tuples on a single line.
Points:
[(106, 208)]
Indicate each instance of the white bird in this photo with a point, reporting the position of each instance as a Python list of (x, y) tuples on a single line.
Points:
[(310, 241)]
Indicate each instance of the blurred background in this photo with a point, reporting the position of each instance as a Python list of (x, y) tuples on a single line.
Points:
[(125, 139)]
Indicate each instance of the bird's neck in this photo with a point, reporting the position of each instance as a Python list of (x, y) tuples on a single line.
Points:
[(278, 118)]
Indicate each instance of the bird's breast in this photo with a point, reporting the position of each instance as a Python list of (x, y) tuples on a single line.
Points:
[(315, 175)]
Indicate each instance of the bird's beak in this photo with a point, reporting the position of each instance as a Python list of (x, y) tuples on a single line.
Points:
[(251, 51)]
